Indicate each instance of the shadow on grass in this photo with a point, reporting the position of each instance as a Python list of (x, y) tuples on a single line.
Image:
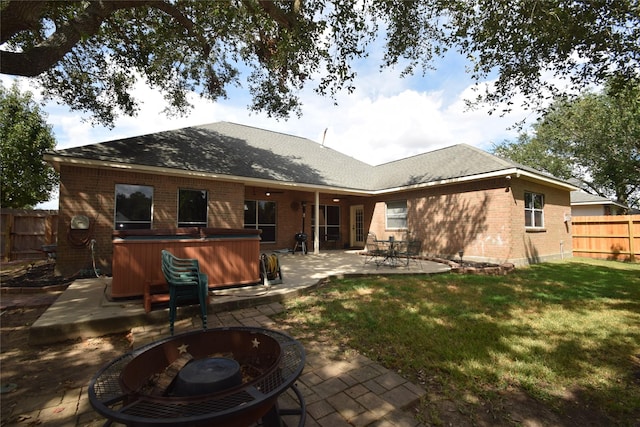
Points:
[(567, 334)]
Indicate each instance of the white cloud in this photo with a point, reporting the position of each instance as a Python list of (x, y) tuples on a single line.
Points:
[(384, 119), (381, 128), (375, 124)]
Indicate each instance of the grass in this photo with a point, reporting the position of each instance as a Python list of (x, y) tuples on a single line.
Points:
[(553, 330)]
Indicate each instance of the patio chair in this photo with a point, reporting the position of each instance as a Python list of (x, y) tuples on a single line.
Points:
[(186, 283), (374, 250), (412, 252)]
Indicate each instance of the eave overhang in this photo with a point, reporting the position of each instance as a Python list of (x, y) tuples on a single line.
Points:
[(599, 203), (512, 173)]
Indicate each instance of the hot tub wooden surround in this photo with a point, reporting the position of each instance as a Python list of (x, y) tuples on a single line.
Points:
[(227, 256)]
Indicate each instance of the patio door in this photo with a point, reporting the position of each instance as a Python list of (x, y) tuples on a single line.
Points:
[(356, 236)]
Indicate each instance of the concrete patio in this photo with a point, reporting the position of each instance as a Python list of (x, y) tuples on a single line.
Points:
[(84, 310), (339, 388)]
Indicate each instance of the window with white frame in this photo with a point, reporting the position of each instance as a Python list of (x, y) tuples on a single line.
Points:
[(397, 215), (261, 215), (192, 208), (133, 207), (533, 210)]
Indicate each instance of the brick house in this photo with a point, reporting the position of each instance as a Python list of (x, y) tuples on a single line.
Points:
[(226, 175)]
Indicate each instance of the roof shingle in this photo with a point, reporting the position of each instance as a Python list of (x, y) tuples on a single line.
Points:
[(231, 149)]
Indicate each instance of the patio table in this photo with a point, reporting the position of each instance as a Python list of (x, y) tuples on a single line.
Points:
[(392, 257)]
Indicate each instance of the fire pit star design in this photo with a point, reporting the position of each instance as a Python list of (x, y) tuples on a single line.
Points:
[(222, 377)]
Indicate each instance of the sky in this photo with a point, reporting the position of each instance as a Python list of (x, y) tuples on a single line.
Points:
[(386, 118)]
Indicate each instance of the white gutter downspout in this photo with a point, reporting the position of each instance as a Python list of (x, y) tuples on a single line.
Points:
[(316, 225)]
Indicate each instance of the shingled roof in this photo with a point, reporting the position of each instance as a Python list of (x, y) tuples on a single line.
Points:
[(233, 150), (582, 198)]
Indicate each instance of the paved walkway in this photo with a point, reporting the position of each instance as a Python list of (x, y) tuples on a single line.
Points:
[(338, 390)]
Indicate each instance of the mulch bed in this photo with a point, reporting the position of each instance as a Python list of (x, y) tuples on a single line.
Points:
[(37, 274)]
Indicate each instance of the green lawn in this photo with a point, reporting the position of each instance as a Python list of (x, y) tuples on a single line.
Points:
[(550, 330)]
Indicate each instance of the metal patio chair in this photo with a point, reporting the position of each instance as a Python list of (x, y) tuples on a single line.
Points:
[(412, 252), (374, 249)]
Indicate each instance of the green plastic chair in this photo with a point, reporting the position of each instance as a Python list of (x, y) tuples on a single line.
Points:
[(186, 283)]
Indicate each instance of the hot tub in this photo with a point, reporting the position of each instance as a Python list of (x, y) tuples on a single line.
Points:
[(229, 257)]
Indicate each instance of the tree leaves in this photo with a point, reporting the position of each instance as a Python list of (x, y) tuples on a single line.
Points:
[(82, 51), (24, 138), (594, 139)]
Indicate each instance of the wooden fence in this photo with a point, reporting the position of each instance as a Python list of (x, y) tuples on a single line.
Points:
[(25, 232), (615, 237)]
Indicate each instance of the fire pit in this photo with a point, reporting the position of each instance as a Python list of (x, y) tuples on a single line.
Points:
[(222, 377)]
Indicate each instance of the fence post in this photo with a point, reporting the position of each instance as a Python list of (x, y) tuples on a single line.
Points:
[(632, 251), (8, 237), (48, 230)]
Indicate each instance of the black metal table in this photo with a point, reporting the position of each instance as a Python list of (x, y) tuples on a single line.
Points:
[(110, 399), (392, 256)]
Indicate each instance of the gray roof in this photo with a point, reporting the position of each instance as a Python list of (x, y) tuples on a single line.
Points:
[(583, 198), (457, 161), (231, 149)]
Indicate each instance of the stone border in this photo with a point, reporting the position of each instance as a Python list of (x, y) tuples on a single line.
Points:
[(492, 270)]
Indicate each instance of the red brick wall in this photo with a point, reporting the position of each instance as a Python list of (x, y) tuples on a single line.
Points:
[(554, 241), (91, 192), (485, 219)]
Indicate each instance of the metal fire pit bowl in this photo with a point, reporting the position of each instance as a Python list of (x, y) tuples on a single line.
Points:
[(253, 349), (120, 391)]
